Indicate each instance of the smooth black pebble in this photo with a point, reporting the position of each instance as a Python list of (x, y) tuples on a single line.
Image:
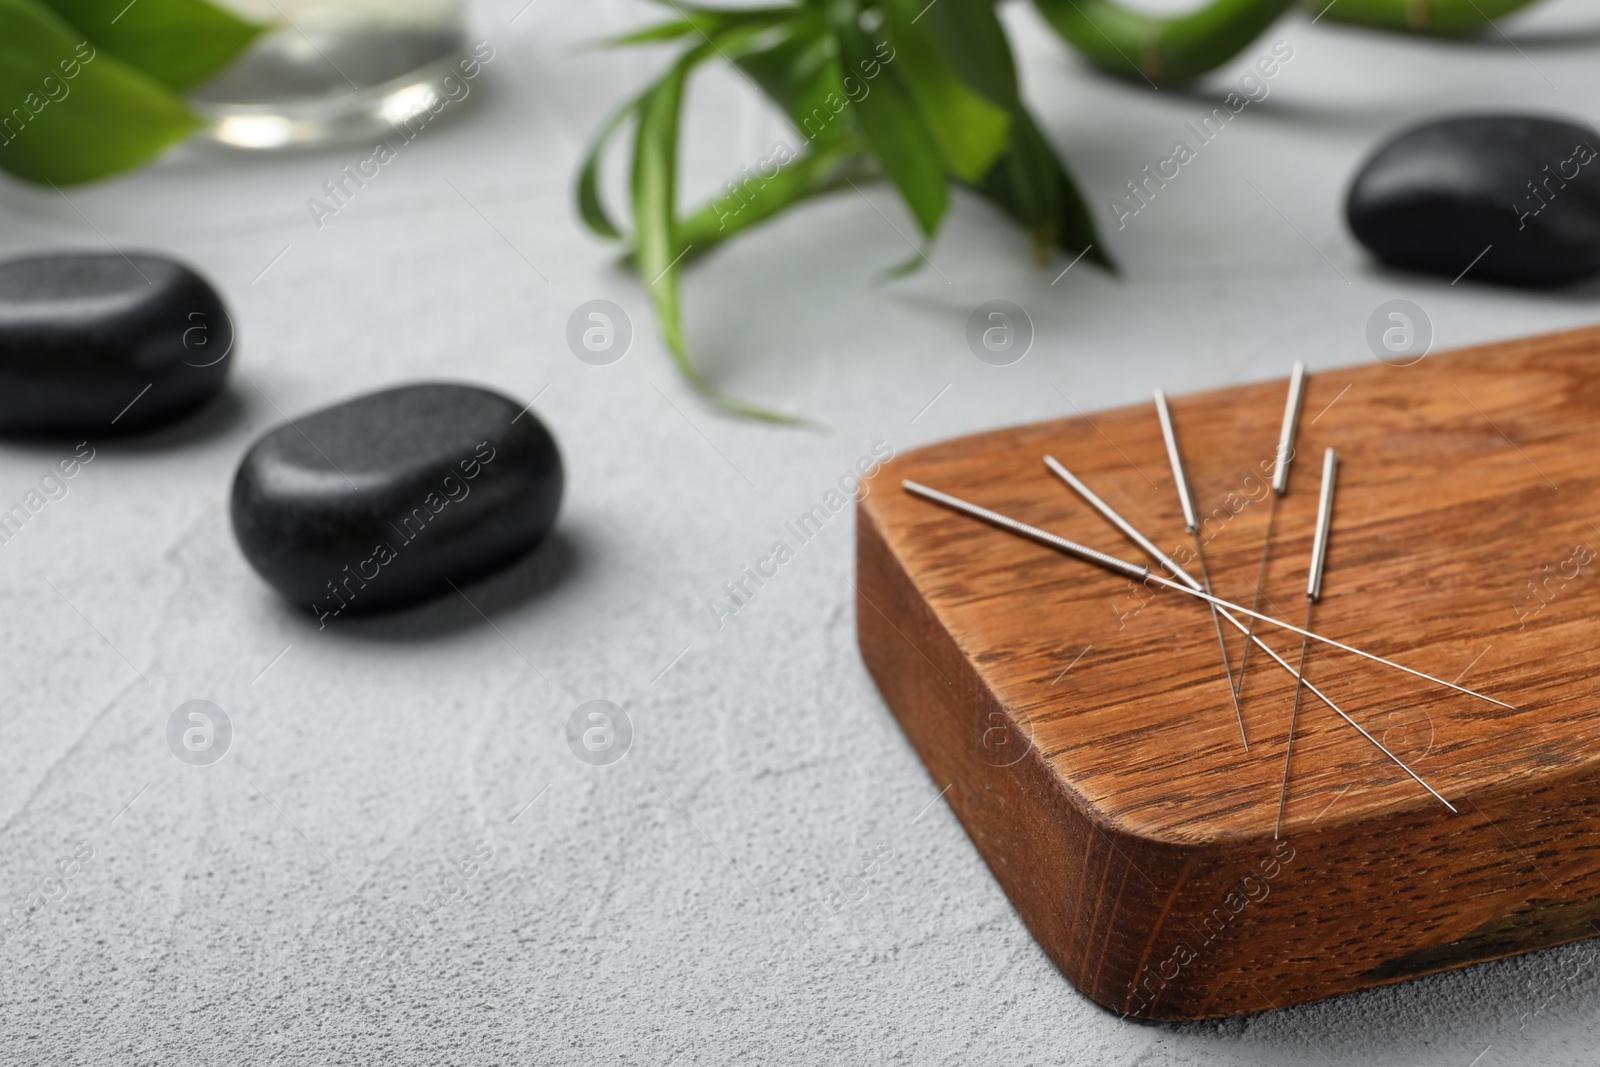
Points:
[(380, 502), (1527, 189), (105, 344)]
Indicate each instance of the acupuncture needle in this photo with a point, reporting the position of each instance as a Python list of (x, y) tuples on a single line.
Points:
[(1280, 486), (1138, 573), (1186, 499), (1132, 533), (1110, 515), (1319, 558)]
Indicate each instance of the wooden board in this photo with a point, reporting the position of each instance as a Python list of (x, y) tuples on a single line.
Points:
[(1085, 727)]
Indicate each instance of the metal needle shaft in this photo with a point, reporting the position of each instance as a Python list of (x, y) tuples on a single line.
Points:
[(1328, 641), (1294, 713), (1138, 573), (1319, 543), (1119, 522), (1005, 522), (1261, 577), (1149, 546), (1291, 426), (1319, 559), (1280, 486), (1320, 695), (1186, 499), (1175, 458)]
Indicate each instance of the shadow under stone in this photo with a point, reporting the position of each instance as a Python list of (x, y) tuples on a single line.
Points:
[(555, 562)]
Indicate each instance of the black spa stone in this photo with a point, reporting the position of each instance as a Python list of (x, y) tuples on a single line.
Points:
[(1525, 188), (380, 502), (98, 344)]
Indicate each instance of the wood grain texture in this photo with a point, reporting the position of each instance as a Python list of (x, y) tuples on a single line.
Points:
[(1084, 722)]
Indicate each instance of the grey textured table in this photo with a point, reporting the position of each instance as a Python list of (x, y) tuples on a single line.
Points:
[(243, 912)]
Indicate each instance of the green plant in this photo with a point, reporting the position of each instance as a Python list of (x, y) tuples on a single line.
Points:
[(91, 87), (935, 104), (1168, 50), (924, 96)]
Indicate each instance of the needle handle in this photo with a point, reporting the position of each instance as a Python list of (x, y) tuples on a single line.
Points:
[(1072, 548), (1179, 475), (1291, 423), (1319, 544)]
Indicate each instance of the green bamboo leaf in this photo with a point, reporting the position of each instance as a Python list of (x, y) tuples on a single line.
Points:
[(704, 22), (1029, 183), (654, 192), (819, 171), (799, 71), (775, 67), (913, 263), (925, 104), (590, 205), (1033, 187), (77, 113), (970, 130), (1156, 49), (889, 120), (1444, 18), (974, 43), (661, 31), (658, 250), (176, 43)]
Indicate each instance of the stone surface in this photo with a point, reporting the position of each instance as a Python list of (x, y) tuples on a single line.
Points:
[(1515, 198), (381, 501), (101, 343)]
